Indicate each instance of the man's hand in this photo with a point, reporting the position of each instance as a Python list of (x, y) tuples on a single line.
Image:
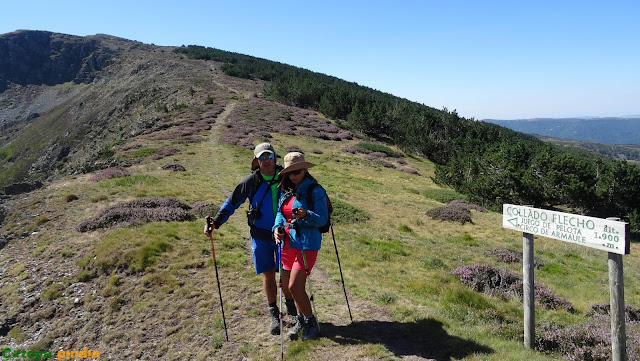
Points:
[(209, 226)]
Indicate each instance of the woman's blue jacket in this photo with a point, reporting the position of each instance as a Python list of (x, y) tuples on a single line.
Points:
[(306, 236)]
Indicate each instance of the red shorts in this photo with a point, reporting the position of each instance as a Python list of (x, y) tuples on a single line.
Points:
[(292, 258)]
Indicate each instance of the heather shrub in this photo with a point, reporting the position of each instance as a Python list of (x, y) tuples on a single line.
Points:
[(383, 163), (162, 136), (375, 155), (165, 152), (139, 211), (174, 167), (451, 213), (114, 172), (467, 205), (190, 139), (70, 197), (504, 284), (344, 134), (202, 209), (602, 311), (315, 151), (355, 149), (293, 148), (584, 341), (509, 256), (487, 279), (409, 170)]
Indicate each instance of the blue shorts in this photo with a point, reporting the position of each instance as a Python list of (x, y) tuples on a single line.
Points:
[(264, 255)]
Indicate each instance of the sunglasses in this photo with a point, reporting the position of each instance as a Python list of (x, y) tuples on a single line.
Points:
[(296, 172), (262, 158)]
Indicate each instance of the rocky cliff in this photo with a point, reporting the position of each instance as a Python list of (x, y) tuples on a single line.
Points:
[(40, 57), (65, 99)]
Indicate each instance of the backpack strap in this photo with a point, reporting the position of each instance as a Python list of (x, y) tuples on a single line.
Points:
[(310, 189)]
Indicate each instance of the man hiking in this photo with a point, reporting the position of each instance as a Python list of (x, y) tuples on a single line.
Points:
[(261, 189)]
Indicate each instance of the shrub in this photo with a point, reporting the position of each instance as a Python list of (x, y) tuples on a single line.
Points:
[(603, 311), (504, 284), (450, 213), (165, 152), (315, 151), (293, 148), (139, 211), (409, 170), (487, 279), (467, 205), (455, 211), (203, 209), (583, 341), (355, 149), (70, 198), (509, 256), (114, 172), (174, 167)]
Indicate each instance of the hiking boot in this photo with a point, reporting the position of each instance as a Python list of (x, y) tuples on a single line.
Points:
[(293, 333), (291, 307), (274, 324), (311, 328)]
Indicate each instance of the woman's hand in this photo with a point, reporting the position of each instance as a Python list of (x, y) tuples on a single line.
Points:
[(278, 235), (299, 213)]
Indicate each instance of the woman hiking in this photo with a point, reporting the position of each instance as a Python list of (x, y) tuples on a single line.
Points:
[(296, 227)]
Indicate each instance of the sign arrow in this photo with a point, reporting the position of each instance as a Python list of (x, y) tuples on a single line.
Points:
[(513, 221)]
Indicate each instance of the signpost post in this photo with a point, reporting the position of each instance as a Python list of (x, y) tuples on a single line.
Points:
[(609, 235)]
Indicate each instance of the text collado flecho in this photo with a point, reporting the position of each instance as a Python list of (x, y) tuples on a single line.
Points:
[(604, 234)]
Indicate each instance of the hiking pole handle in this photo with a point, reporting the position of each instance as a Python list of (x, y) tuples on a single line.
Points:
[(209, 224)]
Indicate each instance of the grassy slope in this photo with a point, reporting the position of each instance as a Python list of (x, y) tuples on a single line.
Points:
[(396, 268)]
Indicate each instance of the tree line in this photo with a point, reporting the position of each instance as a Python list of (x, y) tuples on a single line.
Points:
[(490, 164)]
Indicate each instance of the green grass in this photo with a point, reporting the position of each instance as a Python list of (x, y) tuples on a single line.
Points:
[(443, 195)]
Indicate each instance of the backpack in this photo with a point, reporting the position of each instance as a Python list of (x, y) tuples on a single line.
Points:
[(325, 228)]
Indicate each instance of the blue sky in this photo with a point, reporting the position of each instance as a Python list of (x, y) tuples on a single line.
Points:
[(486, 59)]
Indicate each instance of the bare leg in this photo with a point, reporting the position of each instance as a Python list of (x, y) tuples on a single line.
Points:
[(269, 285), (297, 284), (285, 285)]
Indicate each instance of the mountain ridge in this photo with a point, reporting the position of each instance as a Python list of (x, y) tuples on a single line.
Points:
[(606, 130)]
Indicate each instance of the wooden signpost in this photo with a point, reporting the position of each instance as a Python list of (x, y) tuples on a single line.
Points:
[(609, 235)]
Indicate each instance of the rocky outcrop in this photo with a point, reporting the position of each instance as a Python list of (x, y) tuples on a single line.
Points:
[(40, 57)]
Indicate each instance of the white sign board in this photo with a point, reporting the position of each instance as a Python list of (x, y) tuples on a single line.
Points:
[(603, 234)]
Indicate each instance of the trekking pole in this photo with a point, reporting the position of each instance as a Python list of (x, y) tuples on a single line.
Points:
[(341, 277), (213, 253), (306, 270), (280, 313)]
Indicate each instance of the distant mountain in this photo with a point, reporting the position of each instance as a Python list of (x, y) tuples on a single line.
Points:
[(608, 130)]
